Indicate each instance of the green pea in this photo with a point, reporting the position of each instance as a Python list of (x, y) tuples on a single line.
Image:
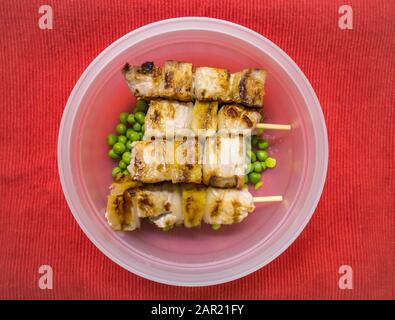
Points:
[(134, 136), (249, 167), (259, 132), (140, 117), (263, 144), (121, 128), (216, 226), (246, 179), (131, 118), (254, 177), (122, 165), (258, 185), (254, 140), (270, 162), (141, 135), (129, 145), (119, 148), (263, 164), (122, 139), (126, 157), (113, 155), (143, 128), (111, 139), (137, 127), (116, 171), (128, 132), (141, 106), (261, 155), (123, 117), (126, 172), (257, 167)]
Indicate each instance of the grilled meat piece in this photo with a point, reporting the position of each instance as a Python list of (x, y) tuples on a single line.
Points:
[(168, 117), (224, 161), (227, 206), (193, 204), (187, 168), (211, 84), (119, 212), (160, 203), (235, 117), (150, 162), (204, 117), (248, 87), (176, 81), (143, 80)]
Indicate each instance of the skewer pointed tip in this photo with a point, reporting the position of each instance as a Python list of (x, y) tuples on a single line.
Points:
[(273, 126), (268, 199)]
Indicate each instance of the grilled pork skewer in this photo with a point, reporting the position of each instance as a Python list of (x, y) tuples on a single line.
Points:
[(155, 161), (167, 205), (186, 119), (177, 80), (219, 161), (222, 161)]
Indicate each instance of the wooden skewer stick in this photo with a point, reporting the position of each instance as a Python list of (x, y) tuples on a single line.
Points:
[(268, 199), (273, 126)]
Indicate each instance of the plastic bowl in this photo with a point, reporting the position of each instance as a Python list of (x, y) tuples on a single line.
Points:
[(201, 256)]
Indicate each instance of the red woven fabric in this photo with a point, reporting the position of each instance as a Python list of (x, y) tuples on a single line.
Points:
[(352, 71)]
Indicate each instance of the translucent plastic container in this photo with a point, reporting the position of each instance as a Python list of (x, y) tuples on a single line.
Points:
[(200, 256)]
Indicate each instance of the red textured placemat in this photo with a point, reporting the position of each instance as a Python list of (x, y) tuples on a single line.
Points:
[(352, 72)]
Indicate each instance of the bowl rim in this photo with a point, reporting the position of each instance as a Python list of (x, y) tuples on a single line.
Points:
[(196, 23)]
